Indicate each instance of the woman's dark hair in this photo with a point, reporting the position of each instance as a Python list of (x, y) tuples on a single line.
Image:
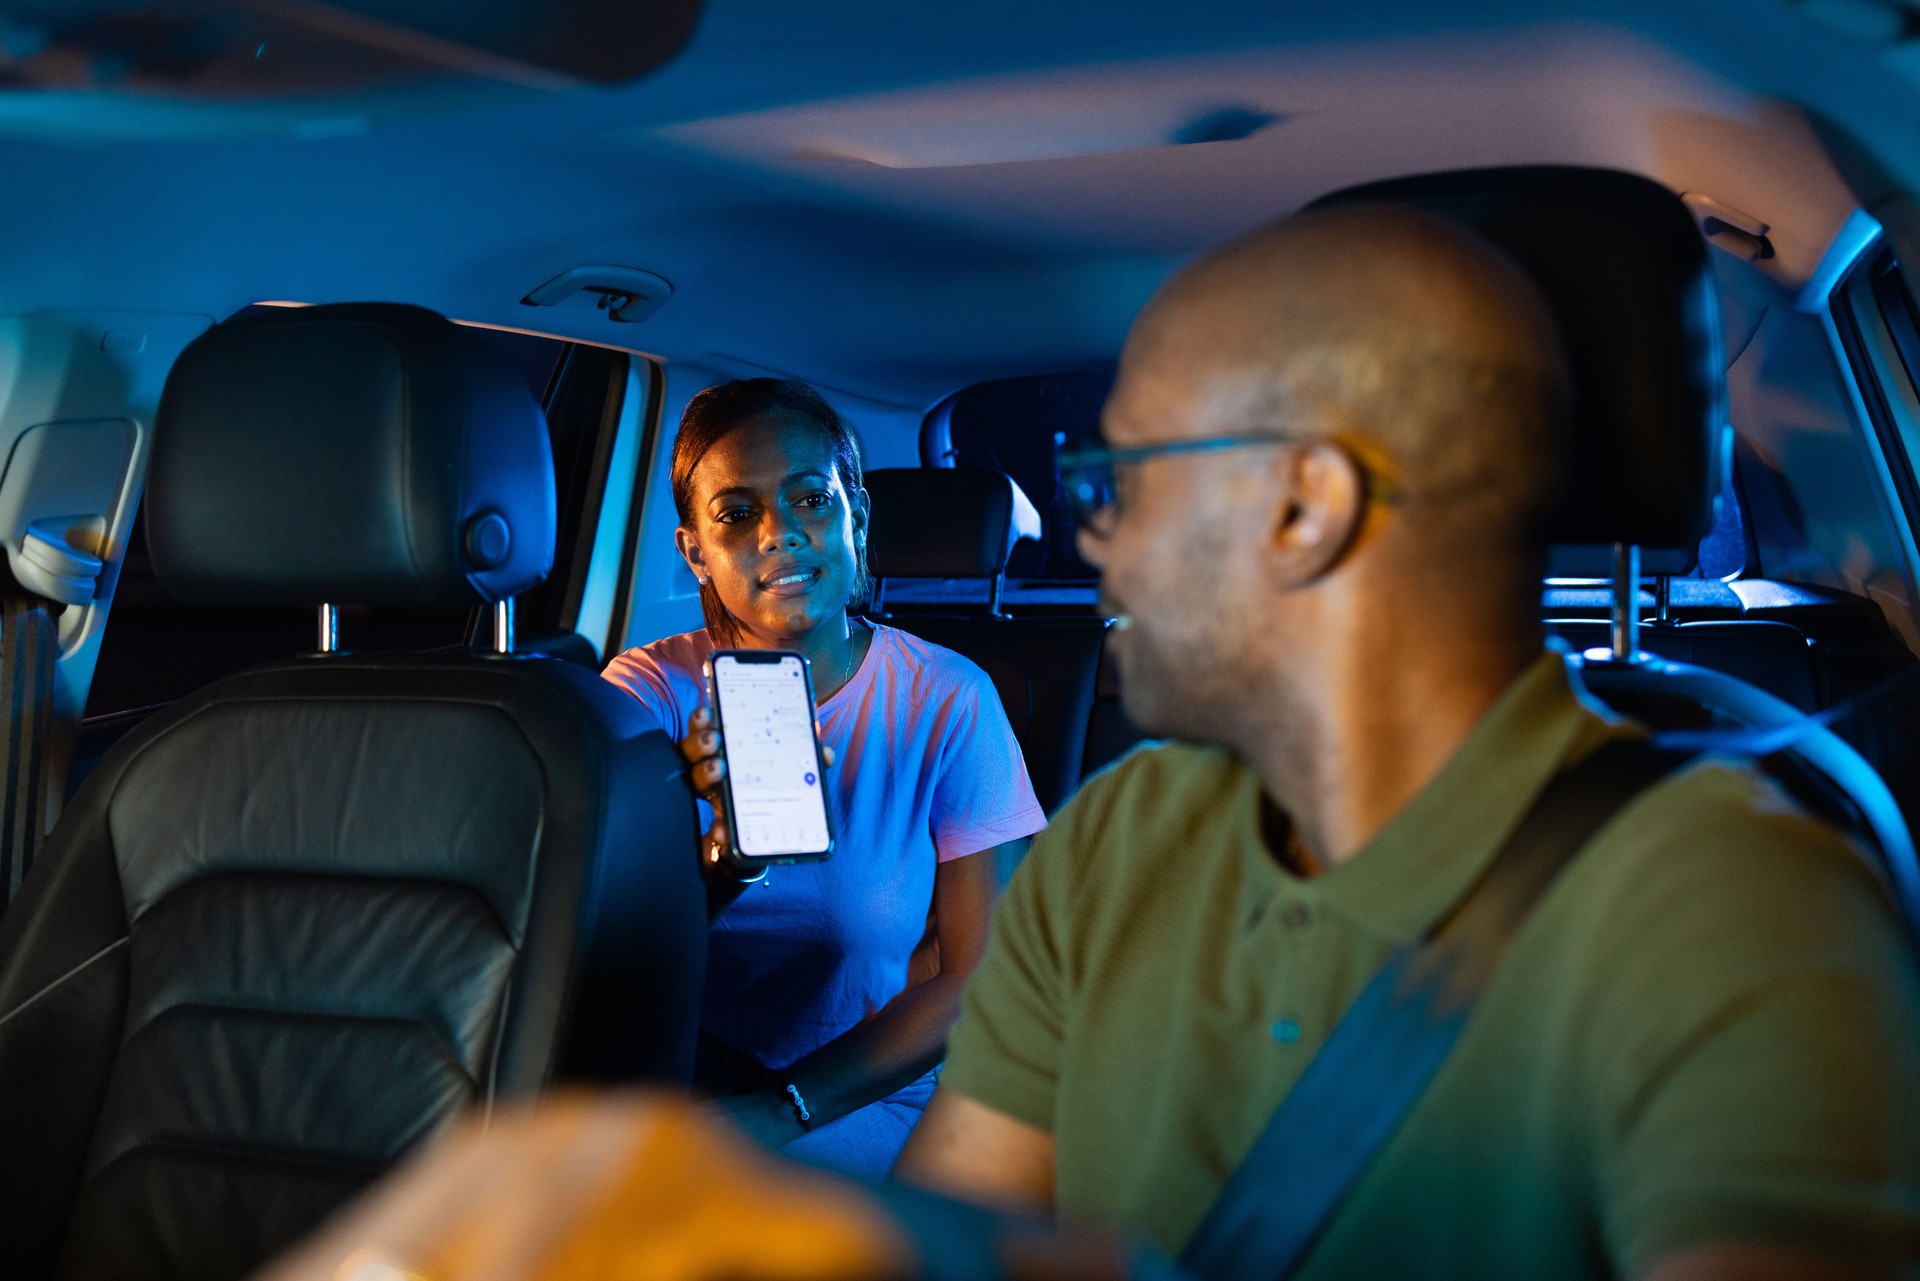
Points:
[(714, 414)]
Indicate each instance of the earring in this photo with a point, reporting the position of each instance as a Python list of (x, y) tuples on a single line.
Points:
[(703, 580)]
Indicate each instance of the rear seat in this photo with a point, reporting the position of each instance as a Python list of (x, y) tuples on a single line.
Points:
[(960, 524)]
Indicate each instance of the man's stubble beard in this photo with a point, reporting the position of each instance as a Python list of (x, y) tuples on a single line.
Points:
[(1182, 668)]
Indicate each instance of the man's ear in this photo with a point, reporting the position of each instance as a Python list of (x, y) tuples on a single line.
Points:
[(1323, 500), (689, 548)]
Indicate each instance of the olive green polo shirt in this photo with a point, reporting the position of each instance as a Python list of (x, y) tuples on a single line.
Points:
[(1707, 1031)]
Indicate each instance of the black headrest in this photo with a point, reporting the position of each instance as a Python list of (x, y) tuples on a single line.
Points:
[(361, 453), (945, 522), (1625, 272)]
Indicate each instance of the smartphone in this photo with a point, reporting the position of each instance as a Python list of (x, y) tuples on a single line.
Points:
[(775, 790)]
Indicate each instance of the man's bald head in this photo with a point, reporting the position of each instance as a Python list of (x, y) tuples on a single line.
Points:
[(1413, 342), (1414, 376)]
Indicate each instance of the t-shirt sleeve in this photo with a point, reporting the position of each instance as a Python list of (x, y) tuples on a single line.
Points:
[(640, 674), (982, 796), (1005, 1051), (1767, 1087)]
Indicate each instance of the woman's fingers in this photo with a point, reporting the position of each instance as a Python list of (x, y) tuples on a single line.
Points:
[(717, 843), (707, 773), (702, 741), (826, 753)]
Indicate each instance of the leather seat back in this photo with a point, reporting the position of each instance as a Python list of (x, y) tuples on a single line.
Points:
[(1624, 272), (292, 925)]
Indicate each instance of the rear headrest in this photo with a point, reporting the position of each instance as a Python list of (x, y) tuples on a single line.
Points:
[(1625, 272), (361, 453), (945, 522)]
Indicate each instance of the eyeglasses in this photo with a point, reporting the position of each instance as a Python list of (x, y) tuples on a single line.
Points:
[(1091, 486)]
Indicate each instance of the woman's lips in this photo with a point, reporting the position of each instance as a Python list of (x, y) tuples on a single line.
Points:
[(792, 583)]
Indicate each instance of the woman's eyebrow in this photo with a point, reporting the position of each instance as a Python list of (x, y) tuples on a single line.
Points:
[(810, 473)]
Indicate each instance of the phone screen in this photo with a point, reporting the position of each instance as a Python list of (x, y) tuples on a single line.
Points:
[(773, 763)]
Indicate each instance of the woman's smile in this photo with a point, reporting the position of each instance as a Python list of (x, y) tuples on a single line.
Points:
[(794, 581)]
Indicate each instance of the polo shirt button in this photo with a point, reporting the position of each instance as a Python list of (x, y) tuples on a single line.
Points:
[(1296, 916), (1286, 1030)]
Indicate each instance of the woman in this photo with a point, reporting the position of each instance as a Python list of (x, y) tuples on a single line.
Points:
[(810, 1024)]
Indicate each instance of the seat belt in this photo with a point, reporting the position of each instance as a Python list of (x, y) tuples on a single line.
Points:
[(1380, 1057), (28, 643)]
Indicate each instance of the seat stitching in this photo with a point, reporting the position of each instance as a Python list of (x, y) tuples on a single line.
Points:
[(297, 874), (439, 1041), (256, 1154), (117, 943)]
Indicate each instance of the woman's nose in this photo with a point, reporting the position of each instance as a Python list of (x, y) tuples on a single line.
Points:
[(782, 531)]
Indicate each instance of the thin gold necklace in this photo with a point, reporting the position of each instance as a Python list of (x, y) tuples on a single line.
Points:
[(848, 665)]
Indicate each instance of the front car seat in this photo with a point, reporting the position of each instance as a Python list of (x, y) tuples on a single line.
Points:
[(1624, 271), (294, 923)]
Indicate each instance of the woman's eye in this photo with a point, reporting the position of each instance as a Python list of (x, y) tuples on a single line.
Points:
[(814, 502), (733, 515)]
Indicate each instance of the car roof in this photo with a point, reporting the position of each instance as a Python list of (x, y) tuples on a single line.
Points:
[(898, 200)]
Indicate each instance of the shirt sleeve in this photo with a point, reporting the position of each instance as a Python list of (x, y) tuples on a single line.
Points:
[(1765, 1078), (640, 674), (1005, 1051), (982, 796)]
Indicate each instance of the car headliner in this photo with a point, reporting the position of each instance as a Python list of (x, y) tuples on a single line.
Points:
[(899, 199)]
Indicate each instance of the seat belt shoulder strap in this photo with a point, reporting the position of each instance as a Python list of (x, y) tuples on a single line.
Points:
[(1393, 1039)]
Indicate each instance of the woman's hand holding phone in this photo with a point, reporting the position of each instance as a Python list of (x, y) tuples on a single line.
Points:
[(706, 756)]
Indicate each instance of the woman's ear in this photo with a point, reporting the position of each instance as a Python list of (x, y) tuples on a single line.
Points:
[(861, 507), (1323, 500), (689, 548)]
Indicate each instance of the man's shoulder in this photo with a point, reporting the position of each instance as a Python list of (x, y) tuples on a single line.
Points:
[(1718, 869), (1159, 792), (1726, 819), (1164, 775)]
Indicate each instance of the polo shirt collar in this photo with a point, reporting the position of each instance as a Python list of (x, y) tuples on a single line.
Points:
[(1404, 881)]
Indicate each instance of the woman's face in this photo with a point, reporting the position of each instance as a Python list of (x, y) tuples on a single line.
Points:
[(775, 530)]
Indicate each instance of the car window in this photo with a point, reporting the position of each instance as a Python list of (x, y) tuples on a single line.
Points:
[(1017, 425), (1873, 318)]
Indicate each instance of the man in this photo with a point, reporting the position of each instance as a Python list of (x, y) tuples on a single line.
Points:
[(1701, 1058)]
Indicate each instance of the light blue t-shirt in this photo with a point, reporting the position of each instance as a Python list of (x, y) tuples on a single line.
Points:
[(926, 768)]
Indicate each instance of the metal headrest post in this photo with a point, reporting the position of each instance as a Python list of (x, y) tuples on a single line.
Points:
[(329, 629), (875, 607), (1626, 602), (503, 626), (993, 594), (1663, 600)]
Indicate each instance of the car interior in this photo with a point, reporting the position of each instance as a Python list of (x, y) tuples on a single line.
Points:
[(319, 825)]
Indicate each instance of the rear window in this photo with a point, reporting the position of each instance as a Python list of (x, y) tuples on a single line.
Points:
[(1017, 425)]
